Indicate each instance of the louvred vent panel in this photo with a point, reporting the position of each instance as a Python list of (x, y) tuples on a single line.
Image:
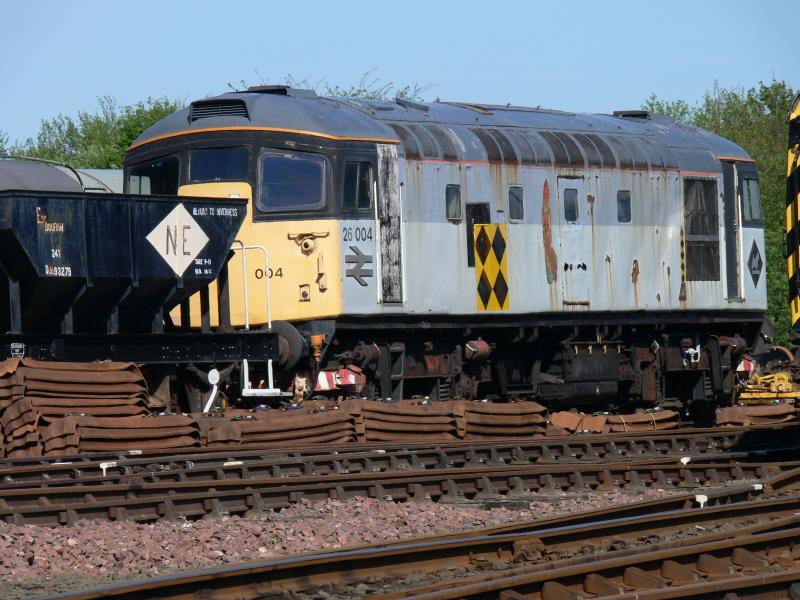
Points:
[(218, 108)]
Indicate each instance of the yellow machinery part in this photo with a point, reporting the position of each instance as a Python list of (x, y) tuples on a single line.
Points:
[(765, 388)]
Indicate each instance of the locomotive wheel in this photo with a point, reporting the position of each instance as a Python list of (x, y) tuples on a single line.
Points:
[(292, 345)]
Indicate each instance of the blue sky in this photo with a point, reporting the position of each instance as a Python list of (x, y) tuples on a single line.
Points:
[(570, 55)]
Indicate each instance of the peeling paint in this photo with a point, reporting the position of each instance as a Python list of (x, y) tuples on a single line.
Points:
[(388, 212), (550, 258)]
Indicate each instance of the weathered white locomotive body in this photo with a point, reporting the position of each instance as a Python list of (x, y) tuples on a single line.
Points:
[(468, 250)]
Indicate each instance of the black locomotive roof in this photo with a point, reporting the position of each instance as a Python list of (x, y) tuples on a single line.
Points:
[(459, 131)]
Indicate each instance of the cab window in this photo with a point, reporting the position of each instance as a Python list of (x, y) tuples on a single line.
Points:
[(357, 185), (159, 176), (219, 164), (292, 181), (751, 202)]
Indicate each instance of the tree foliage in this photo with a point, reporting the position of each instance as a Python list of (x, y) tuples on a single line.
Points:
[(96, 139), (754, 118)]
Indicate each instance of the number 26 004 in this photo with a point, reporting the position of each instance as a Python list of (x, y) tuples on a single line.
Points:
[(358, 234)]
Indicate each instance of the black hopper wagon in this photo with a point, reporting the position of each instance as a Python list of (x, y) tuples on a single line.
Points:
[(87, 276)]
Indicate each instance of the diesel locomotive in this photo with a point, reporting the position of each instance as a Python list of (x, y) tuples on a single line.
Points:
[(455, 250)]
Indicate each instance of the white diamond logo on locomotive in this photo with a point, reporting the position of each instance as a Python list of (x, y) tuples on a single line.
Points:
[(755, 264), (178, 239)]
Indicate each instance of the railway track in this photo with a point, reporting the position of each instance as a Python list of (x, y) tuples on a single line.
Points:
[(150, 500), (181, 486), (512, 563), (366, 458), (762, 563)]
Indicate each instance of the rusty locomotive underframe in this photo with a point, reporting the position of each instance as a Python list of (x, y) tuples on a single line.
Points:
[(675, 361)]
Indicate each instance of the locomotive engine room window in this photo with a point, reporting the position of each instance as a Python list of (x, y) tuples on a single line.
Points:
[(292, 181), (571, 205), (702, 229), (219, 164), (357, 185), (452, 202), (623, 206), (159, 176), (751, 201), (516, 209)]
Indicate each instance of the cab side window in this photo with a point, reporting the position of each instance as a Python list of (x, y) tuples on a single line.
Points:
[(751, 202), (571, 205), (623, 206), (357, 185), (516, 207), (452, 202)]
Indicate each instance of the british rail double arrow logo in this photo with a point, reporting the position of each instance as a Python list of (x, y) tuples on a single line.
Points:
[(359, 262)]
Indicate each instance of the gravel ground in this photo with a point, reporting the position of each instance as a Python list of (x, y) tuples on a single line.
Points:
[(37, 561)]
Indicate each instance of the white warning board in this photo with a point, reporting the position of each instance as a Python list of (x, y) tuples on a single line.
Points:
[(178, 239)]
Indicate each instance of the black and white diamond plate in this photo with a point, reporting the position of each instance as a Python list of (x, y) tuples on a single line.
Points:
[(755, 264)]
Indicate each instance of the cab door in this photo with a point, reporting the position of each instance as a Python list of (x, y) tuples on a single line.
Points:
[(574, 248), (732, 216)]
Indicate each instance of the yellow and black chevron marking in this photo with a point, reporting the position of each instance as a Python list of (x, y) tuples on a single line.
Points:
[(683, 256), (491, 267), (793, 212)]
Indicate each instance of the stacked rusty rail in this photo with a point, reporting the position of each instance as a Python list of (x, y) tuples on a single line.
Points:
[(660, 548), (364, 457), (36, 396)]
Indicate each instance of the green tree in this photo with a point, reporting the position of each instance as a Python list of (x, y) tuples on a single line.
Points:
[(3, 142), (679, 110), (754, 118), (96, 139)]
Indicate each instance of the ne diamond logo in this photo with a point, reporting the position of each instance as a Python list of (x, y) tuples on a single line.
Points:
[(755, 264), (178, 239)]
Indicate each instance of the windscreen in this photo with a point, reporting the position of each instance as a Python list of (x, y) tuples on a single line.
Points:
[(292, 182), (219, 164)]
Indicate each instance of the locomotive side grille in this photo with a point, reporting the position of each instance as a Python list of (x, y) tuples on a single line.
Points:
[(589, 149), (492, 149), (406, 137), (606, 153), (429, 149), (575, 155), (445, 143), (506, 146), (527, 154), (218, 108)]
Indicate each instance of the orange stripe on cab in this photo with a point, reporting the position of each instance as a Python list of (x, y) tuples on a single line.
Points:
[(327, 136)]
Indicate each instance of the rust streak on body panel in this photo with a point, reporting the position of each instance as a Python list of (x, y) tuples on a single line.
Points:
[(550, 259)]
